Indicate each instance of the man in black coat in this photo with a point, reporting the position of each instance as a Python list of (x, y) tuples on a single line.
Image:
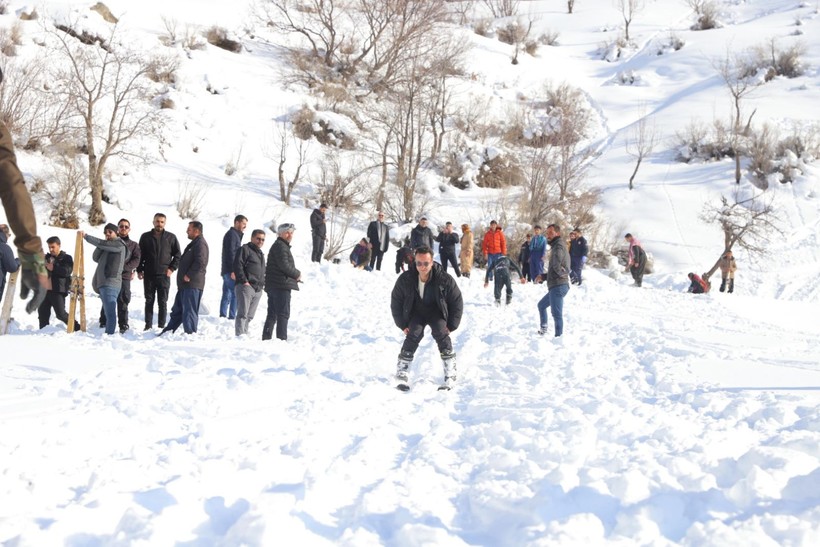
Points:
[(421, 235), (378, 236), (190, 282), (249, 271), (159, 250), (318, 229), (8, 263), (231, 242), (447, 241), (281, 277), (578, 251), (59, 266), (131, 264), (426, 295)]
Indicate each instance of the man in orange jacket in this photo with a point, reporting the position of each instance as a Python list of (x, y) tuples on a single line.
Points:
[(493, 246)]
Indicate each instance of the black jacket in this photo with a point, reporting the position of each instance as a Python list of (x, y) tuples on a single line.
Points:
[(249, 266), (60, 275), (133, 261), (374, 238), (447, 296), (193, 263), (578, 247), (158, 256), (281, 272), (317, 223), (8, 263), (421, 237), (447, 243), (404, 257), (231, 243), (558, 268)]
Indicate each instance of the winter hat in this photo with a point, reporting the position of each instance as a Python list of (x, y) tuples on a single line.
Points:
[(110, 228)]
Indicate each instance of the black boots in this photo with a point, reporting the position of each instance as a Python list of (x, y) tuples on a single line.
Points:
[(731, 285)]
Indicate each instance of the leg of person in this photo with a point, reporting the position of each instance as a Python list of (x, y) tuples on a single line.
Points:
[(122, 304), (508, 284), (373, 254), (497, 283), (379, 255), (44, 311), (175, 320), (723, 283), (731, 284), (556, 296), (454, 262), (256, 296), (445, 347), (228, 286), (191, 298), (543, 304), (409, 346), (315, 254), (58, 303), (243, 301), (150, 290), (103, 318), (109, 302), (491, 258), (270, 318), (282, 305), (163, 289)]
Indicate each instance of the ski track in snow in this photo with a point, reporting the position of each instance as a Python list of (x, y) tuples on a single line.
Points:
[(607, 437)]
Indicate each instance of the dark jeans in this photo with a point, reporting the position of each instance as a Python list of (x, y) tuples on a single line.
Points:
[(525, 269), (318, 248), (502, 278), (440, 333), (576, 266), (451, 258), (376, 258), (122, 305), (554, 300), (185, 310), (491, 258), (278, 314), (56, 301), (637, 273), (159, 286)]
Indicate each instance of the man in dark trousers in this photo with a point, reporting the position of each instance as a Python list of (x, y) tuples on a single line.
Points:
[(578, 251), (421, 235), (190, 282), (636, 259), (249, 267), (59, 266), (426, 295), (281, 277), (318, 229), (378, 235), (557, 281), (447, 241), (159, 250), (124, 298), (230, 245)]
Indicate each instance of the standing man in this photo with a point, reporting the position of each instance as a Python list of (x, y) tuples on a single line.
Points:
[(190, 282), (728, 266), (578, 251), (318, 229), (524, 257), (421, 235), (124, 298), (59, 266), (281, 277), (538, 251), (636, 259), (20, 215), (557, 282), (379, 237), (230, 245), (110, 255), (494, 245), (447, 241), (426, 295), (8, 263), (159, 258), (249, 268)]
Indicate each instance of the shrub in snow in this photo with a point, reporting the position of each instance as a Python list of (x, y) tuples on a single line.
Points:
[(218, 37), (499, 171), (327, 128), (549, 38)]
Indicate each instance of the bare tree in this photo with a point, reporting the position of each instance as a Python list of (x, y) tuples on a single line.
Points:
[(65, 196), (640, 144), (516, 33), (343, 188), (283, 140), (541, 190), (105, 87), (629, 9), (570, 120), (502, 8), (570, 6), (747, 222), (736, 73)]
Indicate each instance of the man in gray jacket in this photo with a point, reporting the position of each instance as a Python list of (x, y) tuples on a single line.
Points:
[(281, 277), (190, 282), (249, 272), (110, 255), (557, 281)]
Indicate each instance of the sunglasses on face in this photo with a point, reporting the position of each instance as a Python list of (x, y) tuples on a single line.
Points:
[(124, 227), (422, 264)]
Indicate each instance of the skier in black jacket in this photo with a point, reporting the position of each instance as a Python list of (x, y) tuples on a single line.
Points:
[(159, 259), (426, 295)]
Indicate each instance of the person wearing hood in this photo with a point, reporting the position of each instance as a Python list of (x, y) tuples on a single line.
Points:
[(421, 235), (124, 298), (110, 255)]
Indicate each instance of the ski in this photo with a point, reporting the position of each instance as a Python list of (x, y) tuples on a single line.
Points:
[(8, 300)]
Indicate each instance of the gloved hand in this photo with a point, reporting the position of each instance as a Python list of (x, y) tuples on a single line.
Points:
[(33, 278)]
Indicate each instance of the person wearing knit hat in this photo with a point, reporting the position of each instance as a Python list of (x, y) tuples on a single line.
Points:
[(110, 255)]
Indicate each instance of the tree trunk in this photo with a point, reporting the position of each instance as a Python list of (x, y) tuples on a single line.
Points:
[(635, 172)]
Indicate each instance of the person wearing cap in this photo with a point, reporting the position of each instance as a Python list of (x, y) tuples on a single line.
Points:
[(190, 282), (421, 235), (131, 263), (110, 255), (281, 277), (20, 214), (318, 229)]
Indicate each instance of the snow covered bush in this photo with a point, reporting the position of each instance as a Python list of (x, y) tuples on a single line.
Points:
[(218, 36)]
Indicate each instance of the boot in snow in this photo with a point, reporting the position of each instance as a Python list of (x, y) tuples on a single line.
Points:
[(449, 359), (731, 285), (402, 367), (723, 285)]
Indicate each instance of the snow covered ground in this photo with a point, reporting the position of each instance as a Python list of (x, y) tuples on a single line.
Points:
[(660, 418)]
